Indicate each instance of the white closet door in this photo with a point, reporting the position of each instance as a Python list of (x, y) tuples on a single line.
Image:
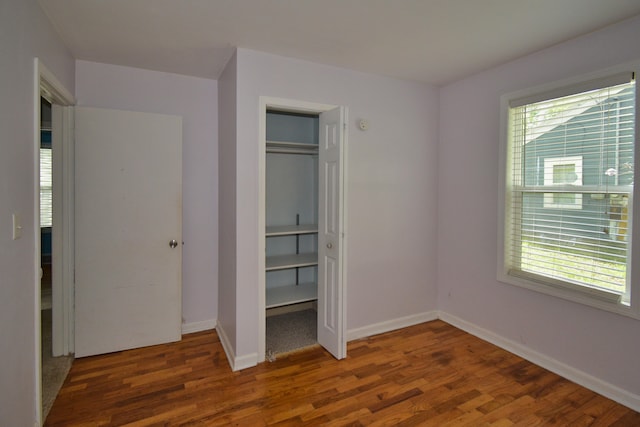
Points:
[(128, 192), (331, 296)]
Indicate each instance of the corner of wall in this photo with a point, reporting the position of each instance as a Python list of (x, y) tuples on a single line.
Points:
[(236, 363), (204, 325), (391, 325), (579, 377)]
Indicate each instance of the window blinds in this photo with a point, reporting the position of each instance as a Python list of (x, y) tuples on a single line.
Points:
[(46, 193), (570, 178)]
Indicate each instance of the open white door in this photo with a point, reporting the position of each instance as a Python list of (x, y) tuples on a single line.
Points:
[(128, 228), (331, 296)]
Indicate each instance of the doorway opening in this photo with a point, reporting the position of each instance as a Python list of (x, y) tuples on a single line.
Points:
[(46, 211), (302, 211), (291, 232), (53, 217), (54, 367)]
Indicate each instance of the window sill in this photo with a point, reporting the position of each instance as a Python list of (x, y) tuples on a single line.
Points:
[(602, 300)]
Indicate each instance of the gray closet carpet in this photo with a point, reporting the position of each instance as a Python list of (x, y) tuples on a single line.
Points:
[(291, 331)]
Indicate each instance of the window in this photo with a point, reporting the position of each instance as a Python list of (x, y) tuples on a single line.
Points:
[(568, 189), (563, 171), (46, 186)]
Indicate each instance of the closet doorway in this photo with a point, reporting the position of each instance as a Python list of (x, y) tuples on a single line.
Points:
[(302, 228), (55, 364), (53, 258)]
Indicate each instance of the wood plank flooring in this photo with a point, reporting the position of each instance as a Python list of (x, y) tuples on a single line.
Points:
[(428, 374)]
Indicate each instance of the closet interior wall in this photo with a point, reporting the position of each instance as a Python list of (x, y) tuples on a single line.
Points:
[(291, 209)]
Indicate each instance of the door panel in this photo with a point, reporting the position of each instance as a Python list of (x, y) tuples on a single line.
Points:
[(128, 186), (330, 193), (331, 294)]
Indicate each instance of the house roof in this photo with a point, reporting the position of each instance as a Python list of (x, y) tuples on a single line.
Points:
[(557, 112)]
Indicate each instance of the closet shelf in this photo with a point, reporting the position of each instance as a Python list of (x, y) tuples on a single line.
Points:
[(283, 262), (290, 230), (291, 147), (285, 295)]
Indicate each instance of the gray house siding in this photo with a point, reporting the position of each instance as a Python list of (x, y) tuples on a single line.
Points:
[(602, 138)]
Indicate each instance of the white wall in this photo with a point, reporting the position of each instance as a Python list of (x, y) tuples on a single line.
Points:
[(599, 343), (392, 174), (25, 33), (227, 190), (196, 100), (406, 188)]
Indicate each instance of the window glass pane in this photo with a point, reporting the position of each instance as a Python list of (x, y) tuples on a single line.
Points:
[(587, 246), (572, 163), (564, 198), (564, 174), (45, 188)]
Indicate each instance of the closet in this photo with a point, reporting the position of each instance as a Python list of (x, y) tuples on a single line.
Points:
[(291, 217), (301, 219)]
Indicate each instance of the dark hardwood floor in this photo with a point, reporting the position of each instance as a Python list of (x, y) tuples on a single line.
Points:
[(428, 374)]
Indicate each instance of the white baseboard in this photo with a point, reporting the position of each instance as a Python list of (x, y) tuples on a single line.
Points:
[(236, 363), (246, 361), (584, 379), (391, 325), (204, 325), (579, 377), (226, 345)]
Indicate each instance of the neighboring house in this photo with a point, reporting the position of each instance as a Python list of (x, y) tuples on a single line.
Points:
[(589, 148)]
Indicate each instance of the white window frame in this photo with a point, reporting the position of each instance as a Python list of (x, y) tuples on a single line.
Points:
[(627, 304)]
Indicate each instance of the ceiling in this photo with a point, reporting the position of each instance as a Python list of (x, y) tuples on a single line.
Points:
[(432, 41)]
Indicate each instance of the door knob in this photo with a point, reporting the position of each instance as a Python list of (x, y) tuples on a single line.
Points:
[(329, 245), (173, 243)]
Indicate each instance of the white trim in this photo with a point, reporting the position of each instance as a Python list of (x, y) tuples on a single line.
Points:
[(203, 325), (45, 84), (584, 379), (57, 250), (294, 105), (63, 230), (68, 228), (226, 345), (51, 88), (262, 244), (575, 294), (344, 179), (244, 362), (36, 235), (391, 325), (599, 81), (236, 363), (581, 83), (582, 295), (288, 105)]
